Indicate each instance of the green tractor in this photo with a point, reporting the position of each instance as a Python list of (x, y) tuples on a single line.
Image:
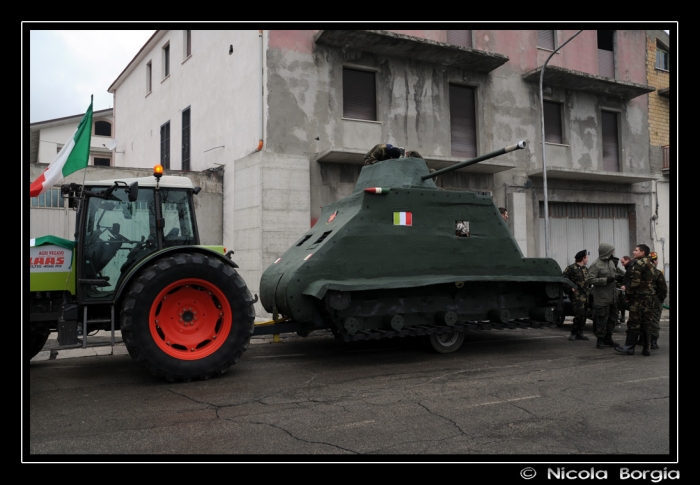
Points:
[(137, 266)]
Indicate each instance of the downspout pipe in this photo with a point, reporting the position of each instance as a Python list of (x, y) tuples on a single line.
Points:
[(262, 90), (544, 151)]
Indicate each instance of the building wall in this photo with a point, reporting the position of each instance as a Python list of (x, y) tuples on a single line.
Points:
[(53, 134)]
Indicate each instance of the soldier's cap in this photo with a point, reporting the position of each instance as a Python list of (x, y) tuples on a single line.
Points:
[(581, 254), (653, 255)]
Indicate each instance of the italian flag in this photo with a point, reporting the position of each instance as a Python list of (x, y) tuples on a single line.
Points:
[(73, 156), (403, 218)]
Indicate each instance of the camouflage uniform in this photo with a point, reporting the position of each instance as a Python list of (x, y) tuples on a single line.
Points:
[(641, 295), (378, 153), (381, 152), (579, 300), (661, 291)]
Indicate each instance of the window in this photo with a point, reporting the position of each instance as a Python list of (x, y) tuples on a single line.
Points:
[(166, 61), (187, 41), (661, 56), (552, 122), (51, 198), (149, 76), (186, 139), (545, 39), (103, 128), (606, 53), (101, 162), (462, 121), (611, 161), (460, 37), (359, 95), (165, 145)]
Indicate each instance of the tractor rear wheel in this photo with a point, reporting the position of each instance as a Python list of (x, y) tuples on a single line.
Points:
[(187, 316), (37, 340)]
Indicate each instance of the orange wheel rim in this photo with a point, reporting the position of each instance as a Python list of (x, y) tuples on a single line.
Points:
[(190, 319)]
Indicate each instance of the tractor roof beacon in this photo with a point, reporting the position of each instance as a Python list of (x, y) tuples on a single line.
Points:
[(137, 265)]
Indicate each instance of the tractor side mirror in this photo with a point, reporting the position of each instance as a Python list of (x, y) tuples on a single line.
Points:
[(133, 191)]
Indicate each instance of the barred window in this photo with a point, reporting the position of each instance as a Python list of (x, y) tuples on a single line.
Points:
[(49, 199)]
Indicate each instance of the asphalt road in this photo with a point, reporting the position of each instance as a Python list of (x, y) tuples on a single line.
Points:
[(527, 396)]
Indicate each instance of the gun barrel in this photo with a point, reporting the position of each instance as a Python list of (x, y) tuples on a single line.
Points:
[(518, 146)]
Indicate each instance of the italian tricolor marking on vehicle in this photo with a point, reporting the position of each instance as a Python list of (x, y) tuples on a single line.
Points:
[(403, 218), (378, 190)]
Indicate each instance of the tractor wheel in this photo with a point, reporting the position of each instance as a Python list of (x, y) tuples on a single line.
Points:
[(187, 316), (445, 343), (37, 340)]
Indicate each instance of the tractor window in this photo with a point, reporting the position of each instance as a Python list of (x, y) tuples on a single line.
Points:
[(462, 229), (117, 234), (178, 230)]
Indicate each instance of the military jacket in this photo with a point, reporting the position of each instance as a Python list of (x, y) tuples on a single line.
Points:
[(642, 276), (577, 275), (376, 154), (660, 287)]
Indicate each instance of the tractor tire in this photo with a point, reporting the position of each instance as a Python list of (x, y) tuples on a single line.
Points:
[(37, 340), (187, 316)]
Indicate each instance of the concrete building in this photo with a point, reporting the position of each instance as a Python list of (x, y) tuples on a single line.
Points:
[(288, 115), (658, 75)]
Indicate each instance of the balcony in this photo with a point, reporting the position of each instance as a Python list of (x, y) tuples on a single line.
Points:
[(580, 81), (388, 43)]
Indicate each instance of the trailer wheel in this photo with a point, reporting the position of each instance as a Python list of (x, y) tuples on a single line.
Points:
[(37, 340), (187, 316), (446, 343)]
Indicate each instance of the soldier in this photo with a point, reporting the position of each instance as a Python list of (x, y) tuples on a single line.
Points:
[(621, 286), (661, 290), (504, 213), (602, 275), (641, 298), (380, 152), (577, 273)]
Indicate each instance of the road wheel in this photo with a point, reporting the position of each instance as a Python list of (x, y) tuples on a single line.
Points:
[(37, 340), (187, 316), (445, 343)]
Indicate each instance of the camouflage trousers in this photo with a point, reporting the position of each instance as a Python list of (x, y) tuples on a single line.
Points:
[(642, 316), (579, 304), (656, 320), (604, 319)]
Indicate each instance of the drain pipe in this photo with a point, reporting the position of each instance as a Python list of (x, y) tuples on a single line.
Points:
[(544, 161), (262, 91)]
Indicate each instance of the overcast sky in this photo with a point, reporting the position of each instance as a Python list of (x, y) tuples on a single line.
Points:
[(67, 66)]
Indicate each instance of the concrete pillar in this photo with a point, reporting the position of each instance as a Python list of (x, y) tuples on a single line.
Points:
[(517, 219)]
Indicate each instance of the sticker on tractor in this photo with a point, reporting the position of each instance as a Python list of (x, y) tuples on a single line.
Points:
[(50, 259)]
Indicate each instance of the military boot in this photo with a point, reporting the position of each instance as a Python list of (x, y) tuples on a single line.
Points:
[(654, 343), (607, 340), (581, 336), (630, 342), (599, 343), (647, 343), (572, 337)]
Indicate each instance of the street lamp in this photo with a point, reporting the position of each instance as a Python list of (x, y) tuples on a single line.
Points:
[(544, 156)]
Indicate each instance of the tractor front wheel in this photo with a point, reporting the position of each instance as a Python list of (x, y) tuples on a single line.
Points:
[(187, 316)]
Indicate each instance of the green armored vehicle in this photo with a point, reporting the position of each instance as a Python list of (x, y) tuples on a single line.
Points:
[(400, 257)]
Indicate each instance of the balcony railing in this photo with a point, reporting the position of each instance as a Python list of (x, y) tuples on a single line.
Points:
[(665, 166)]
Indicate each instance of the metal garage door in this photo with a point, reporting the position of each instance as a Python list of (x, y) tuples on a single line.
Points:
[(574, 227), (49, 215)]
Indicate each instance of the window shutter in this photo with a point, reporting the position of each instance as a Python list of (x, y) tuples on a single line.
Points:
[(460, 37), (611, 161), (359, 95), (545, 39), (462, 121), (186, 139), (552, 122), (165, 145)]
